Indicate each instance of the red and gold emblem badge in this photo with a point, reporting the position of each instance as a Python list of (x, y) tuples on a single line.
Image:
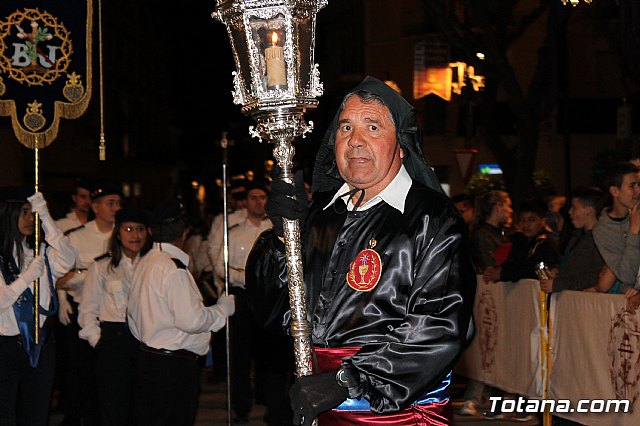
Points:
[(364, 271)]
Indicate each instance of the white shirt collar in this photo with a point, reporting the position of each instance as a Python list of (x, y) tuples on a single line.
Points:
[(94, 226), (173, 251), (131, 262), (395, 194)]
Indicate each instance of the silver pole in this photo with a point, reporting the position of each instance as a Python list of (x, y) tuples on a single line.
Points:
[(224, 143), (300, 328)]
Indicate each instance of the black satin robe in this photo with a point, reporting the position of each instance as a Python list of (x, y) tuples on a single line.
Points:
[(413, 324)]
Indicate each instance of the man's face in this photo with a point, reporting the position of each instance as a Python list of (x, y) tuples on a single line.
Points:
[(26, 221), (580, 213), (366, 152), (628, 193), (106, 207), (256, 201), (532, 224), (82, 200)]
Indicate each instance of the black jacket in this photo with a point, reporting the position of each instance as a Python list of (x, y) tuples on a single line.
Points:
[(413, 324)]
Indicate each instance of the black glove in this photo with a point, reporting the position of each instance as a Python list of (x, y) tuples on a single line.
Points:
[(312, 395), (280, 204)]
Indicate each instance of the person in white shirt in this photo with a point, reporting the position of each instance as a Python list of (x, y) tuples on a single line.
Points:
[(244, 233), (81, 210), (242, 329), (236, 201), (200, 265), (27, 369), (166, 314), (103, 315), (89, 241), (236, 197), (79, 214)]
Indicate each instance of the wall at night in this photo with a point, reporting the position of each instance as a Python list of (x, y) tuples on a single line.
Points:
[(167, 86), (593, 83)]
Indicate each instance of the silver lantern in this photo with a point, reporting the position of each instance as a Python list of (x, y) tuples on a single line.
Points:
[(276, 81)]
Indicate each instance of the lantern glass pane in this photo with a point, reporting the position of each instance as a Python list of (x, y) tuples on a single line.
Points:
[(269, 37), (243, 64), (304, 32)]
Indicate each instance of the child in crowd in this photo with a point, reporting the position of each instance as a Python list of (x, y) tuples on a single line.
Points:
[(582, 263), (534, 243)]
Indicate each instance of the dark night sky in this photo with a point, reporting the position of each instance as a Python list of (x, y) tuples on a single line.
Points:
[(201, 63)]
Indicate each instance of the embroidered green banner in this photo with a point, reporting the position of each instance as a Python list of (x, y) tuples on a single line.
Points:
[(45, 65)]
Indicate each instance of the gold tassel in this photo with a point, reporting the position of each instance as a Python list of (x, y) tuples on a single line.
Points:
[(103, 147)]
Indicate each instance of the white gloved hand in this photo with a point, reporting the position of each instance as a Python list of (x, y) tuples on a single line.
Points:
[(39, 204), (64, 310), (34, 271), (227, 304), (94, 340)]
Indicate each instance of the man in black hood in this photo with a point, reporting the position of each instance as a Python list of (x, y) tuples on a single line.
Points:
[(387, 270)]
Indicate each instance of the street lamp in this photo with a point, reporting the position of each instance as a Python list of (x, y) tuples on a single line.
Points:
[(276, 81)]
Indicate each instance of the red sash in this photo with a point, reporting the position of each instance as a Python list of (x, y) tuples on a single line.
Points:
[(432, 414)]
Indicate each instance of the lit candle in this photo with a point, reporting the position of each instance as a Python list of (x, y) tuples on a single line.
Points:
[(274, 56)]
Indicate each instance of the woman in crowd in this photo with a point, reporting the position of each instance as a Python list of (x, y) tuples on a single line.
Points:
[(27, 369), (102, 315)]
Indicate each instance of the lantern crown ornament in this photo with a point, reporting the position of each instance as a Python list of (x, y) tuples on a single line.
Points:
[(276, 79)]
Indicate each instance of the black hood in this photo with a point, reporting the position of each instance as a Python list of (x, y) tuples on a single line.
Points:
[(325, 172)]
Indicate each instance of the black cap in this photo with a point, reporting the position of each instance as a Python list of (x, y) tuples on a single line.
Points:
[(84, 184), (256, 184), (132, 214), (15, 194), (237, 182), (167, 212), (104, 189), (237, 188)]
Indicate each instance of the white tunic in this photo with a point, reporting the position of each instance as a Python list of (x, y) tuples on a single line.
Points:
[(242, 237), (88, 242), (165, 309), (215, 240), (70, 221), (61, 257), (105, 296)]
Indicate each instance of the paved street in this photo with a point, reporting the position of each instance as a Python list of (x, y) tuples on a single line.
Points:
[(213, 408)]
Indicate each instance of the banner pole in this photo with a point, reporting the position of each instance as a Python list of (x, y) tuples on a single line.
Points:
[(36, 250), (102, 149)]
